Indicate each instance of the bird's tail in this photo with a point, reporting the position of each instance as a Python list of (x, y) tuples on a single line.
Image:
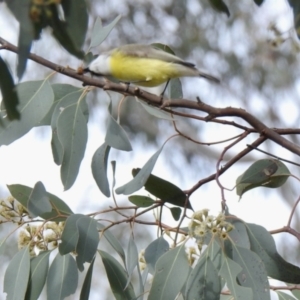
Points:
[(209, 77)]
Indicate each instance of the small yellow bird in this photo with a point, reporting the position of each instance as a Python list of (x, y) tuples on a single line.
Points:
[(143, 65)]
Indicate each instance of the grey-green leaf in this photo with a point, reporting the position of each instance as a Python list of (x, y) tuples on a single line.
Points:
[(203, 282), (72, 96), (154, 251), (113, 241), (87, 242), (284, 296), (116, 136), (99, 168), (17, 275), (141, 201), (229, 271), (26, 31), (255, 277), (76, 17), (167, 282), (220, 6), (72, 133), (100, 33), (263, 244), (9, 93), (60, 210), (86, 287), (164, 190), (38, 273), (62, 278), (117, 277), (36, 98), (157, 112), (140, 179), (70, 235), (38, 202), (176, 212), (132, 258)]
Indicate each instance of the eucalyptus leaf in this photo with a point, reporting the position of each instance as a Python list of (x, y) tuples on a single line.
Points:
[(139, 181), (36, 98), (9, 93), (62, 278), (117, 277), (38, 202), (166, 282), (100, 33), (86, 287), (154, 251), (116, 136), (87, 241), (99, 168), (72, 133), (38, 273), (164, 190), (60, 210), (17, 275), (141, 201)]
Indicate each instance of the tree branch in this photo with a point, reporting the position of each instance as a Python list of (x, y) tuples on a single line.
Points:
[(155, 100)]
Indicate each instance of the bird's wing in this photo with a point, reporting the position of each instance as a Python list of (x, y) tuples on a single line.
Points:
[(149, 51)]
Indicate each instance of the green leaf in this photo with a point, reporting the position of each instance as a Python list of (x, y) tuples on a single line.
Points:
[(117, 277), (62, 278), (253, 274), (60, 210), (171, 272), (66, 100), (164, 190), (26, 34), (60, 90), (156, 112), (284, 296), (99, 168), (36, 98), (17, 275), (72, 134), (100, 33), (38, 274), (141, 201), (86, 287), (113, 241), (132, 259), (87, 242), (239, 232), (269, 173), (61, 33), (220, 6), (176, 212), (38, 202), (260, 171), (76, 17), (203, 282), (139, 181), (70, 235), (229, 271), (295, 5), (262, 243), (9, 93), (175, 89), (154, 251), (258, 2), (116, 136)]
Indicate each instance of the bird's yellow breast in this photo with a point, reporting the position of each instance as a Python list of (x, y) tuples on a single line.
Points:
[(147, 72)]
